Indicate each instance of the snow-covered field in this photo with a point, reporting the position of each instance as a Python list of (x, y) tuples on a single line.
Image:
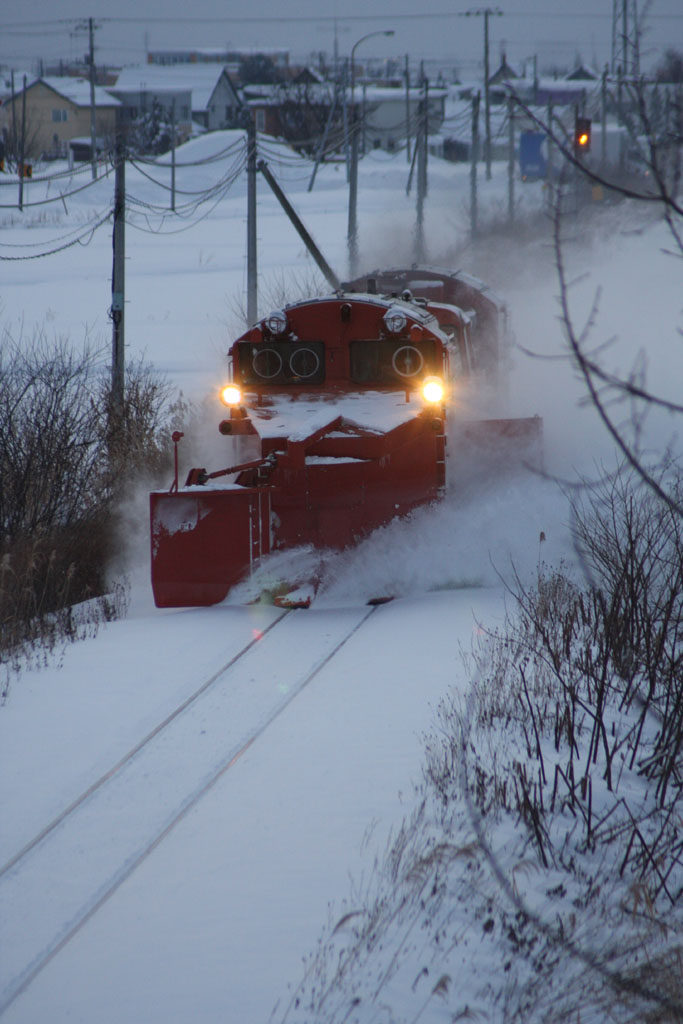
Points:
[(160, 906)]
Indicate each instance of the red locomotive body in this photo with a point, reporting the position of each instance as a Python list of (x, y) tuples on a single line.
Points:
[(343, 399)]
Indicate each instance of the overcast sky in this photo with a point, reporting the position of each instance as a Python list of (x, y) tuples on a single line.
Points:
[(555, 30)]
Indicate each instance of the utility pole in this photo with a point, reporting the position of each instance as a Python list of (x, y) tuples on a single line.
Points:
[(474, 155), (625, 38), (118, 280), (549, 163), (352, 231), (173, 154), (252, 291), (91, 61), (22, 146), (407, 77), (425, 136), (512, 163), (603, 119), (420, 144), (15, 136), (486, 13)]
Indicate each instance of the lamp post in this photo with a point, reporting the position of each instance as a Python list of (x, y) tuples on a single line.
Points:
[(352, 234)]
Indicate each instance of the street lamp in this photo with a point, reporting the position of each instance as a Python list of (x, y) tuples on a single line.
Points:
[(352, 234)]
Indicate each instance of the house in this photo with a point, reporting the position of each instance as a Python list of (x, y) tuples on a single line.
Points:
[(57, 110), (383, 114), (381, 110), (202, 94), (583, 73)]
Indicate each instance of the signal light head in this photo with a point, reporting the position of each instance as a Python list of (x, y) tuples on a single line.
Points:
[(582, 135), (231, 395)]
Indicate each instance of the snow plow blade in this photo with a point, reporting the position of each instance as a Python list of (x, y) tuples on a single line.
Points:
[(204, 542), (520, 438)]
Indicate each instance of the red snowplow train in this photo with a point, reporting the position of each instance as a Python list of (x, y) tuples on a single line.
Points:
[(341, 402)]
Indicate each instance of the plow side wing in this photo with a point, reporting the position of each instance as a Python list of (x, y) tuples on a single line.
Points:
[(203, 542)]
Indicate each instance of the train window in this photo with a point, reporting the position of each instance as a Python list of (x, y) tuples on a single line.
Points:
[(280, 363), (407, 361), (392, 361), (266, 363), (304, 362)]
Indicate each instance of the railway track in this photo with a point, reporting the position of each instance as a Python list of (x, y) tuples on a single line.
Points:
[(53, 885)]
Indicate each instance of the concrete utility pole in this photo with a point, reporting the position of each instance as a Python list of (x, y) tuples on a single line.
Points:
[(91, 61), (421, 147), (252, 293), (407, 76), (476, 101), (512, 162), (173, 140), (22, 146), (486, 13), (625, 38), (118, 280)]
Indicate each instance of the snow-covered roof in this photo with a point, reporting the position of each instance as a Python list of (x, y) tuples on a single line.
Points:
[(200, 79), (77, 90)]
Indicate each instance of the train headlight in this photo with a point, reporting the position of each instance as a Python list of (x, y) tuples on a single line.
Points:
[(231, 395), (433, 390), (395, 320), (277, 322)]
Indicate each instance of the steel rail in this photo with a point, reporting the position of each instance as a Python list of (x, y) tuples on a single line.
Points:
[(134, 751), (69, 928)]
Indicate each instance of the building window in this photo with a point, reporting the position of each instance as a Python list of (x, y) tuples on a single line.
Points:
[(260, 120), (58, 115)]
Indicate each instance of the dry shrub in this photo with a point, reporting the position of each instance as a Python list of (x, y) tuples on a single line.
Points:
[(67, 459)]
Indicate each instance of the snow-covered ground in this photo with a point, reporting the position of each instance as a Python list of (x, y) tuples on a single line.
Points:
[(163, 907)]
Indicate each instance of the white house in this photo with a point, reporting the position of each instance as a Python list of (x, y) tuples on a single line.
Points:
[(203, 93)]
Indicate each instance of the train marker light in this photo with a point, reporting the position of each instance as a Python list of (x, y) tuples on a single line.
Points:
[(231, 395)]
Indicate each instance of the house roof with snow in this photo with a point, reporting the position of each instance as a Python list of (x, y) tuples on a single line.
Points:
[(583, 73), (76, 90), (200, 79)]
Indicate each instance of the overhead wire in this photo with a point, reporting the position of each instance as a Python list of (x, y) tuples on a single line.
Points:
[(59, 198), (90, 230)]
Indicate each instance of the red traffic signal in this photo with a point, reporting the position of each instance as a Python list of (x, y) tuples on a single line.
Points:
[(582, 135)]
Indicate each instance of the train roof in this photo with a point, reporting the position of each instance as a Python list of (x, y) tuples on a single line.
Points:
[(390, 278)]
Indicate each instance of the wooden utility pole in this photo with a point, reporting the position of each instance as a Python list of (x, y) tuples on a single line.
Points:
[(118, 280)]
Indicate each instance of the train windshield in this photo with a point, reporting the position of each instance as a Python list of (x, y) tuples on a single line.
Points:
[(280, 362), (392, 361)]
